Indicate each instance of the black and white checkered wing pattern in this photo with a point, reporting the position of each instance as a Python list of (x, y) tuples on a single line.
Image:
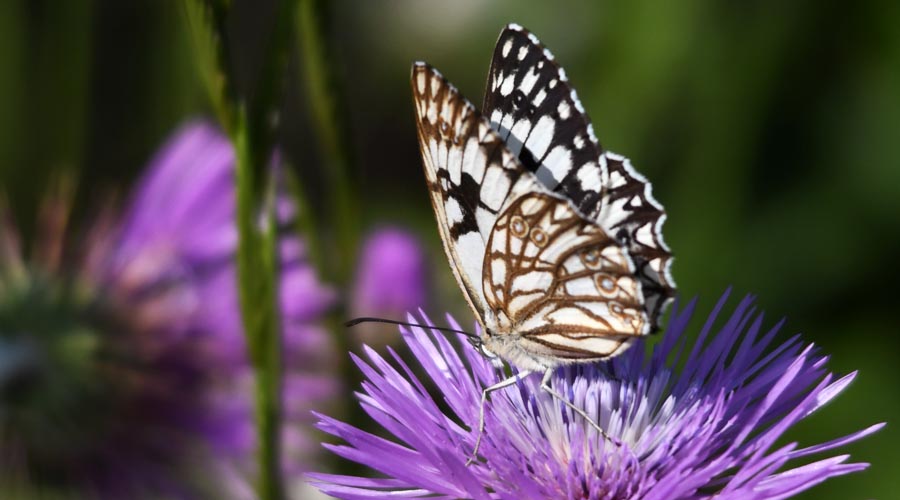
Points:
[(531, 105), (630, 213), (534, 108), (470, 175)]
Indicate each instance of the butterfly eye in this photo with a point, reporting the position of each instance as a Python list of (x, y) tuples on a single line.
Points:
[(518, 226), (539, 237), (479, 346)]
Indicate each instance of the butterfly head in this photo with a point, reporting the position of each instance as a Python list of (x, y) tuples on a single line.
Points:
[(479, 346)]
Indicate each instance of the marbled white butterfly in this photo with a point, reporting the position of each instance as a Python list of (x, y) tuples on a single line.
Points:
[(556, 243)]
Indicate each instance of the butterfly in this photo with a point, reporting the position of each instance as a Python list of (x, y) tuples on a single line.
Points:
[(555, 242)]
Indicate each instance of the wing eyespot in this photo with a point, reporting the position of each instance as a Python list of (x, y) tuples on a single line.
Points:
[(591, 258), (539, 237), (518, 227), (606, 283), (617, 309)]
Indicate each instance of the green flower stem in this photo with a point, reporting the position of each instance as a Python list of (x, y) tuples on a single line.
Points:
[(251, 131), (258, 284)]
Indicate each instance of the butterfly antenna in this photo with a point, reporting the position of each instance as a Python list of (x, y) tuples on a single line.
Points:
[(356, 321)]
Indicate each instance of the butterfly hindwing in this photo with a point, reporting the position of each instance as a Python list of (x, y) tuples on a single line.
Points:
[(560, 281), (636, 219), (533, 106)]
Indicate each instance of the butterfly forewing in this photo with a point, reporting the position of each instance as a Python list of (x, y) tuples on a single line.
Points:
[(470, 175), (560, 281), (532, 105)]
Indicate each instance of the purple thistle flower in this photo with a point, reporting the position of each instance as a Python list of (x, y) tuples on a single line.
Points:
[(125, 371), (707, 430)]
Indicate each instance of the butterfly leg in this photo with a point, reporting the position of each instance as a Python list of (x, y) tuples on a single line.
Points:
[(545, 385), (484, 396)]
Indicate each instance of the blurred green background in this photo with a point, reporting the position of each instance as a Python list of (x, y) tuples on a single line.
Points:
[(769, 130)]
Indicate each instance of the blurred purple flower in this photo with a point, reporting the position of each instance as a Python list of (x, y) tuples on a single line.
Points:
[(391, 277), (131, 375), (707, 430)]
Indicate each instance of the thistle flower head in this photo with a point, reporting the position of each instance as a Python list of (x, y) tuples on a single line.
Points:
[(124, 369), (710, 429)]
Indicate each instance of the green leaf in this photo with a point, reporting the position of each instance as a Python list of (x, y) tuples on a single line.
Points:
[(206, 21)]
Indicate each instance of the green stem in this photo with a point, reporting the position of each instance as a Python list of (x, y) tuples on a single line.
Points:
[(252, 134), (258, 286)]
